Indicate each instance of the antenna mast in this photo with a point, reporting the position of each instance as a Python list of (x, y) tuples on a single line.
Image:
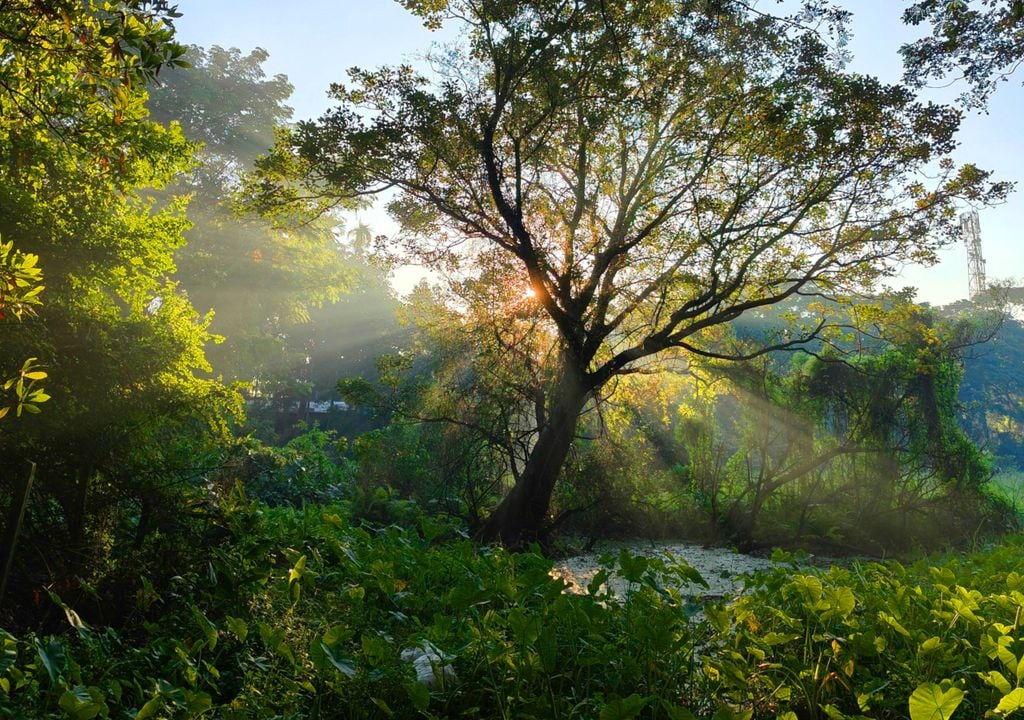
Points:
[(971, 230)]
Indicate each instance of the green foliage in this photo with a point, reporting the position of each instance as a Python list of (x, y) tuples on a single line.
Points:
[(20, 286), (120, 346), (300, 611), (304, 612), (20, 282), (26, 394), (71, 75), (873, 639), (261, 281), (840, 448), (992, 394), (308, 468)]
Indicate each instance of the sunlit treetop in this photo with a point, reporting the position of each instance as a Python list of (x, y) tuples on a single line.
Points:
[(73, 71), (224, 99)]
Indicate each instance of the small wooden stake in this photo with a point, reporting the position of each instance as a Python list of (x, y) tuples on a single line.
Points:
[(15, 516)]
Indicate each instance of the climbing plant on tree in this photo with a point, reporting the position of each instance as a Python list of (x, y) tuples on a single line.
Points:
[(650, 172)]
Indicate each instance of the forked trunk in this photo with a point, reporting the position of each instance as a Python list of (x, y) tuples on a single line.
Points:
[(522, 515)]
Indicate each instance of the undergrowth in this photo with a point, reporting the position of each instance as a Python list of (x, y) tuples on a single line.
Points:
[(304, 613)]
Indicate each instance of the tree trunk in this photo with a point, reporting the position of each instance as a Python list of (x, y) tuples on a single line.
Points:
[(12, 528), (77, 508), (521, 517)]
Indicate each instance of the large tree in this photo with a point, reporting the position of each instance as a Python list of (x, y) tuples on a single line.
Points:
[(649, 172), (66, 74)]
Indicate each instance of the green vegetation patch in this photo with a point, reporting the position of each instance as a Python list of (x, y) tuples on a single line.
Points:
[(303, 613)]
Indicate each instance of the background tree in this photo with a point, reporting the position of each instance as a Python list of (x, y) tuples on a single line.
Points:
[(992, 394), (262, 281), (649, 172)]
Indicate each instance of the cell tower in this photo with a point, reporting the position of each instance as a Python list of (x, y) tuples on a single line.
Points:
[(971, 229)]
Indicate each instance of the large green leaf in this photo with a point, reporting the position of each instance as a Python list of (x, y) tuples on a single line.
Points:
[(624, 708), (82, 703), (930, 702), (419, 694), (1011, 703), (53, 658)]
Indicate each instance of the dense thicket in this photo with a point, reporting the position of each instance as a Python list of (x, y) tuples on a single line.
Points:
[(312, 614)]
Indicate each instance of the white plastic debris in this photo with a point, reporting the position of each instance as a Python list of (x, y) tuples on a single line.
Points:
[(429, 664)]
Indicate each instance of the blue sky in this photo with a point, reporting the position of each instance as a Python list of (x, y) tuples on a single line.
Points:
[(314, 42)]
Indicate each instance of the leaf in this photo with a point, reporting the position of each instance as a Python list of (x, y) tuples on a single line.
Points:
[(384, 707), (997, 680), (337, 634), (419, 694), (237, 627), (676, 712), (52, 657), (1012, 702), (776, 638), (632, 567), (1008, 659), (208, 629), (929, 702), (317, 655), (197, 703), (298, 570), (599, 579), (892, 622), (841, 601), (725, 712), (150, 709), (82, 703), (76, 622), (808, 589), (345, 665), (624, 708)]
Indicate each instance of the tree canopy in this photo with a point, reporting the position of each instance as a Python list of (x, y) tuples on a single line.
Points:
[(983, 39), (259, 278)]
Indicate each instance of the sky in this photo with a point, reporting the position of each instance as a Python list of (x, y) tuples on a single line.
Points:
[(314, 42)]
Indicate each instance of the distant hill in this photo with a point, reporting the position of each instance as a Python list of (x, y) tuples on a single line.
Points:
[(992, 393)]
